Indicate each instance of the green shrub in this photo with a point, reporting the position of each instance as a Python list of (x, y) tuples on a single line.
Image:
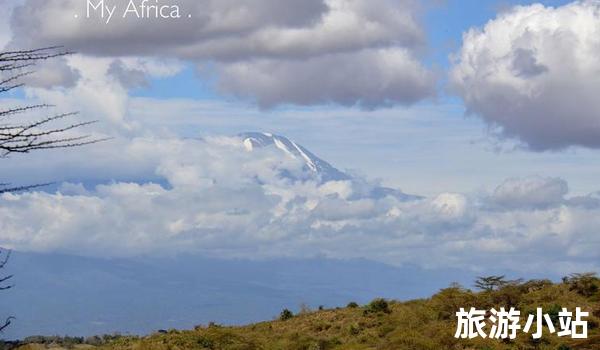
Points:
[(535, 285), (206, 342), (352, 305), (585, 284), (286, 315), (378, 305), (553, 312), (354, 329)]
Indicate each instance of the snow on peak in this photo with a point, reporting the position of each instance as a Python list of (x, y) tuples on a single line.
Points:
[(323, 170), (248, 145), (254, 140)]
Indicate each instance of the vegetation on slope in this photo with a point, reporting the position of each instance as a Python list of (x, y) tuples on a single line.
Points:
[(419, 324)]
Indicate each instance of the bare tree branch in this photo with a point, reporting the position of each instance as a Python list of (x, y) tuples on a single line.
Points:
[(22, 135), (4, 279), (5, 260), (6, 188), (6, 323)]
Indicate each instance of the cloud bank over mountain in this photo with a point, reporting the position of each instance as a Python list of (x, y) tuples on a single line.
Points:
[(220, 199), (273, 52), (532, 72)]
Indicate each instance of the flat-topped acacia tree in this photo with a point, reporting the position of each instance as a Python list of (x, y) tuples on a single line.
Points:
[(20, 133)]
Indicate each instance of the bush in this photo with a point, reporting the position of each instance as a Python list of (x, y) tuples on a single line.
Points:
[(553, 312), (378, 305), (535, 285), (94, 341), (352, 305), (509, 296), (585, 284), (354, 329), (449, 300), (286, 315), (206, 342)]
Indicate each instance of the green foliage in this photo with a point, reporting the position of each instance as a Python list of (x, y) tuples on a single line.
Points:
[(586, 284), (354, 329), (534, 285), (448, 300), (206, 342), (553, 311), (352, 305), (378, 305), (286, 315), (508, 295)]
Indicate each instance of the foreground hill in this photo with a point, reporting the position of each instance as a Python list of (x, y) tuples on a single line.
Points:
[(419, 324)]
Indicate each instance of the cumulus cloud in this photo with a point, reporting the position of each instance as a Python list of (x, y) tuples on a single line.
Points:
[(304, 52), (52, 73), (96, 87), (533, 192), (5, 31), (217, 199), (532, 72), (370, 79), (130, 78)]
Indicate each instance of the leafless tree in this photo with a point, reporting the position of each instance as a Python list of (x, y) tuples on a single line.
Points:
[(21, 134), (4, 280)]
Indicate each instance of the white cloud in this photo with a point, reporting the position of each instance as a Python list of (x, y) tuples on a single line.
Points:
[(533, 73), (225, 30), (370, 78), (5, 30), (220, 200), (95, 94), (52, 73), (95, 87), (274, 52), (533, 192)]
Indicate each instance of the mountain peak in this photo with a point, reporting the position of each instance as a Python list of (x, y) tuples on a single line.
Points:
[(255, 140), (323, 170)]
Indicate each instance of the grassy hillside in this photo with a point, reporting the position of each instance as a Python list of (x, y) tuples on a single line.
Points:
[(418, 324)]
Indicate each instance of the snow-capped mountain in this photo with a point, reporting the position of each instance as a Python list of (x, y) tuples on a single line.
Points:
[(322, 170), (325, 171)]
